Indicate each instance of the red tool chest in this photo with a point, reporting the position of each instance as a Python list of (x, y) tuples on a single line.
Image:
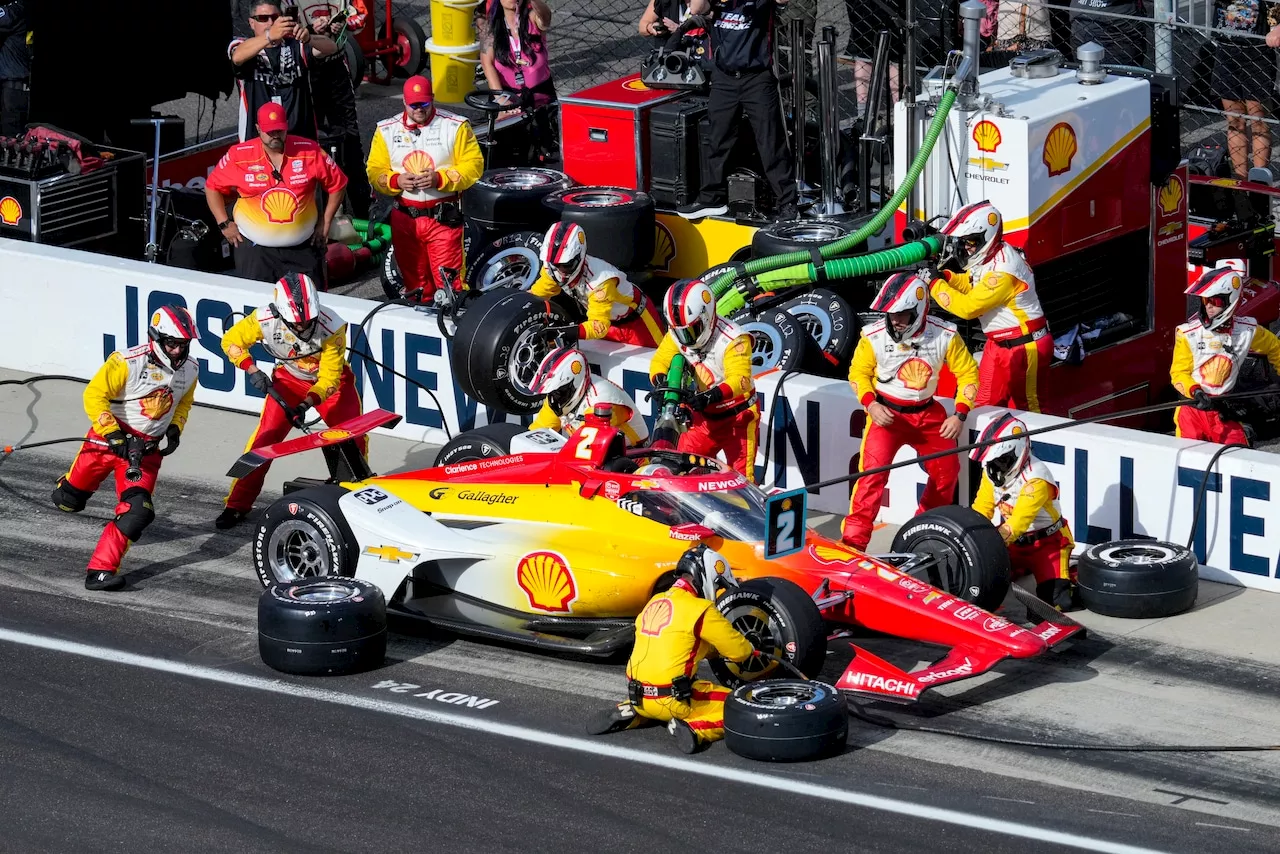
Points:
[(604, 132)]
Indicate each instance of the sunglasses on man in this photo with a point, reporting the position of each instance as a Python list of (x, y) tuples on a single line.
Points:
[(265, 19)]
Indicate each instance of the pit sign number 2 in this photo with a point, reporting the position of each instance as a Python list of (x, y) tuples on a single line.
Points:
[(784, 523)]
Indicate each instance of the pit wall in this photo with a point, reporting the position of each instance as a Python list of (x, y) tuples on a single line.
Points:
[(63, 311)]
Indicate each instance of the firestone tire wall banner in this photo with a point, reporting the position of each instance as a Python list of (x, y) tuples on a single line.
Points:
[(1114, 483)]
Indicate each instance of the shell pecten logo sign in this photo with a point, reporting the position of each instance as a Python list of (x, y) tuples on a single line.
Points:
[(987, 136), (279, 205), (10, 211), (1170, 198), (1060, 148), (545, 578)]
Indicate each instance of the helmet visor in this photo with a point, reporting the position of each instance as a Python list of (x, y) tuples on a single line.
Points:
[(689, 335), (1001, 467), (562, 272), (303, 330), (176, 349), (560, 399)]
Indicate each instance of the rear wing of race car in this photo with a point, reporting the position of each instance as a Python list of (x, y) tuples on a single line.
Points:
[(346, 462)]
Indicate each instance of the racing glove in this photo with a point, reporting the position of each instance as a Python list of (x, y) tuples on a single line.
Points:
[(1202, 400), (118, 443), (930, 274), (259, 380), (173, 435), (298, 414), (703, 399)]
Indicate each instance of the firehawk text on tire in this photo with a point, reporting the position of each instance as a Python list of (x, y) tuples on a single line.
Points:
[(499, 343), (322, 625), (779, 619), (785, 720), (972, 559), (392, 278), (777, 340), (491, 440), (510, 199), (832, 329), (619, 223), (1138, 578), (302, 536)]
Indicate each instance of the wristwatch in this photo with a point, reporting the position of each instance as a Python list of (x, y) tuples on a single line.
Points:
[(963, 416), (222, 226)]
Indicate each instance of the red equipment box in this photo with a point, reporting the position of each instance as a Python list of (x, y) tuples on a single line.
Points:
[(604, 132)]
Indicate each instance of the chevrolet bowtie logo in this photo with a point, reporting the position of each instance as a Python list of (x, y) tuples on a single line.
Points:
[(390, 554), (987, 163), (1170, 228)]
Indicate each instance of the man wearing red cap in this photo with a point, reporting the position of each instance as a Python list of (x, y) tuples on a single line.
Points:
[(424, 158), (276, 228)]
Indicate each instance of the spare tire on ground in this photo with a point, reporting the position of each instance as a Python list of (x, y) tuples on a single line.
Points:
[(499, 343), (832, 329), (973, 561), (785, 720), (329, 624), (510, 199), (620, 224), (804, 234), (491, 440), (1138, 579), (778, 341)]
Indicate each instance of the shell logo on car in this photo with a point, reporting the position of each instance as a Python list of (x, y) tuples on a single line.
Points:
[(279, 205), (10, 211), (545, 578), (1060, 149), (987, 136), (829, 555), (334, 435), (915, 374)]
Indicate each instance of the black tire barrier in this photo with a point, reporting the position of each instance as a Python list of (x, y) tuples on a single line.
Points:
[(1138, 579), (785, 720), (620, 224), (973, 561), (491, 440), (779, 619), (320, 626)]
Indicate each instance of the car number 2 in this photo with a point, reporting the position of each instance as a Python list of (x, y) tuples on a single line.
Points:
[(588, 434)]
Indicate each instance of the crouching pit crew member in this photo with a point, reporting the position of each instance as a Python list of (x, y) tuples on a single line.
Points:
[(1019, 495), (726, 416), (138, 396), (894, 374), (616, 309), (309, 344), (999, 289), (1208, 352), (572, 391), (676, 630)]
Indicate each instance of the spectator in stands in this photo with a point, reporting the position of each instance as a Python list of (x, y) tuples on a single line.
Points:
[(1243, 76), (866, 19), (513, 55), (15, 67), (335, 102), (274, 65), (1022, 26), (1124, 40)]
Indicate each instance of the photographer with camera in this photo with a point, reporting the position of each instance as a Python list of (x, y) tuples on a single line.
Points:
[(742, 79), (274, 65)]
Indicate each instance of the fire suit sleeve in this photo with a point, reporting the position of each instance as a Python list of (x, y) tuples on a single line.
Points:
[(328, 173), (966, 372), (183, 409), (737, 369), (862, 372), (1036, 493), (544, 287), (661, 361), (720, 633), (237, 340), (985, 501), (1180, 373), (994, 290), (378, 167), (1265, 343), (546, 418), (468, 162), (600, 311), (107, 385), (223, 177), (333, 358)]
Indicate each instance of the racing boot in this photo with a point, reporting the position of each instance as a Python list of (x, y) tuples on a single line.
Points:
[(228, 519), (686, 740), (100, 579), (1060, 593), (614, 719)]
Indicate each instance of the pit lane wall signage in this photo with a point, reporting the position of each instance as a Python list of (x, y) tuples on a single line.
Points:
[(62, 311)]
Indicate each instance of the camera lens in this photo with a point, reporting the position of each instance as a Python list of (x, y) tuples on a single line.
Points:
[(675, 62)]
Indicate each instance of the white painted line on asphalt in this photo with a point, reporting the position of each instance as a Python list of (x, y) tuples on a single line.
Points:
[(1221, 826), (780, 784), (1111, 812)]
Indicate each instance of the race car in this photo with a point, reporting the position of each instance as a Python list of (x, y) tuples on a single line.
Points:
[(559, 544)]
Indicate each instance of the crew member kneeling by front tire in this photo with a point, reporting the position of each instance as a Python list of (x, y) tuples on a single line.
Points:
[(138, 396), (309, 344), (726, 416), (424, 158), (676, 630)]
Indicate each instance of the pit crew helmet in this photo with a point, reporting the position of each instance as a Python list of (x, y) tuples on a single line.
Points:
[(297, 303), (171, 326), (1224, 286), (563, 376), (903, 292), (690, 310), (709, 571), (564, 252), (1004, 459), (978, 231)]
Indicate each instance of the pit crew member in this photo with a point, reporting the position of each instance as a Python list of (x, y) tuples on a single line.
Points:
[(1019, 495), (726, 416), (276, 228), (999, 289), (616, 309), (677, 629), (894, 374), (1208, 352), (424, 158), (573, 391), (309, 344), (138, 396)]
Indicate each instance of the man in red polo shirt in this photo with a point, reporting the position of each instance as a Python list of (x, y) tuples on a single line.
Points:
[(275, 228), (424, 158)]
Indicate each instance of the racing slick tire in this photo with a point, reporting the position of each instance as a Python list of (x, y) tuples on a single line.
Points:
[(1138, 579), (974, 561), (785, 720), (354, 56), (793, 235), (322, 626), (779, 619), (831, 327), (391, 277), (778, 341), (411, 42), (620, 224), (510, 199), (498, 345), (303, 535), (509, 261), (491, 440)]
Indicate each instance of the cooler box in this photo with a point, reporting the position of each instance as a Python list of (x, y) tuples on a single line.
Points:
[(604, 132)]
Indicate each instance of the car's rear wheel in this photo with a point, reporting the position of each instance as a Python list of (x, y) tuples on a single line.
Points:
[(780, 620), (491, 440), (972, 561), (303, 536)]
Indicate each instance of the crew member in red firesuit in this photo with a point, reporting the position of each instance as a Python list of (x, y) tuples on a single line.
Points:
[(676, 630), (999, 289), (1208, 352), (1020, 497), (726, 416), (138, 396), (894, 374), (425, 158), (309, 344), (616, 309)]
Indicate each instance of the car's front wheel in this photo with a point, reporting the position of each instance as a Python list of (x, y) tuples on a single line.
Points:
[(780, 620), (303, 536)]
